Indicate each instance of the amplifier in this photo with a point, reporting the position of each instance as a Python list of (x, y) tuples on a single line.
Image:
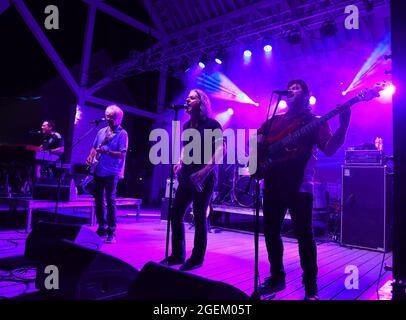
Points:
[(47, 189), (367, 207), (364, 157)]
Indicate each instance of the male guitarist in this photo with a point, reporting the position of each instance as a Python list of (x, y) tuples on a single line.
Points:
[(288, 185), (108, 153), (196, 183)]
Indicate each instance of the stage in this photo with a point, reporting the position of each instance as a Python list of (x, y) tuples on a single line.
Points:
[(229, 258)]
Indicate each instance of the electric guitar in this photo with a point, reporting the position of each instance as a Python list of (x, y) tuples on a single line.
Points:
[(270, 153), (91, 167)]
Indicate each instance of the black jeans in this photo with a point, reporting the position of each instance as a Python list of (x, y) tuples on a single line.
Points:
[(300, 205), (185, 194), (106, 185)]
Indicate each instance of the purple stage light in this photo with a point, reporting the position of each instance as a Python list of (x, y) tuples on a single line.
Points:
[(230, 111), (390, 90), (312, 100), (268, 48), (282, 104), (218, 61), (344, 93), (202, 65), (247, 53)]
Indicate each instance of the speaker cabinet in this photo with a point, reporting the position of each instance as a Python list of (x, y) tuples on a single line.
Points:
[(158, 282), (47, 189), (45, 234), (84, 274), (367, 207)]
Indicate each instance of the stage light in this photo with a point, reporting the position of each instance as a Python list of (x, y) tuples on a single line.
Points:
[(328, 28), (344, 93), (219, 56), (230, 111), (282, 105), (203, 61), (294, 35), (247, 53), (312, 100), (268, 48), (389, 90)]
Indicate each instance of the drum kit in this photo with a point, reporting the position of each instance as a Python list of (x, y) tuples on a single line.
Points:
[(235, 188)]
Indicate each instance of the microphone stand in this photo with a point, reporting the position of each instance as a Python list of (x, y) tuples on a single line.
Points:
[(176, 108), (256, 295), (58, 192)]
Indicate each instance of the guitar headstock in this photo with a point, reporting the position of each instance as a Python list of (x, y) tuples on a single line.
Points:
[(369, 94)]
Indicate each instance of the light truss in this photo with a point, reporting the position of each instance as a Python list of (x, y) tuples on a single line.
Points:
[(260, 20)]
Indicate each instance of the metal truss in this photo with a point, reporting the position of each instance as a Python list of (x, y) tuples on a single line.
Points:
[(261, 20), (245, 23)]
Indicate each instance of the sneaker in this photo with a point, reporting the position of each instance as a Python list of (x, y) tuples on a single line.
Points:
[(171, 261), (311, 297), (111, 238), (191, 264), (311, 292), (272, 284), (101, 231)]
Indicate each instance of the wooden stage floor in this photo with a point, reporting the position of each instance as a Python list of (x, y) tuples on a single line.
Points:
[(229, 258)]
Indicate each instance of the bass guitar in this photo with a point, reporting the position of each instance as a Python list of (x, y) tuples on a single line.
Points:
[(270, 153)]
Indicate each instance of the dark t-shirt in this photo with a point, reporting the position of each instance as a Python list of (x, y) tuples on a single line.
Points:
[(291, 170), (204, 124), (52, 141)]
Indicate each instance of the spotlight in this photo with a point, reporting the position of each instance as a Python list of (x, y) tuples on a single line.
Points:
[(328, 28), (312, 100), (294, 35), (344, 93), (203, 61), (282, 104), (219, 57), (230, 111), (267, 48), (247, 53)]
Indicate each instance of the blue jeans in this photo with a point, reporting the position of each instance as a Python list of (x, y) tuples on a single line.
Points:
[(108, 186)]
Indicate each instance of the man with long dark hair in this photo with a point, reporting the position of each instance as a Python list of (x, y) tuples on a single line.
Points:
[(196, 183), (288, 184)]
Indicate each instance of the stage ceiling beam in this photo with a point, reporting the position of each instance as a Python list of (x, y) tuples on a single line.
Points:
[(46, 45)]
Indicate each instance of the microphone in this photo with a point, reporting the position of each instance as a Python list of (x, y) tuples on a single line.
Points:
[(35, 132), (178, 106), (284, 92), (97, 121)]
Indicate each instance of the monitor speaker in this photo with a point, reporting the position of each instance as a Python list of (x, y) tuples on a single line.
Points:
[(45, 234), (158, 282), (73, 272)]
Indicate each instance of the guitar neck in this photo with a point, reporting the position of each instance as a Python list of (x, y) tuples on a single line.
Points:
[(310, 127)]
